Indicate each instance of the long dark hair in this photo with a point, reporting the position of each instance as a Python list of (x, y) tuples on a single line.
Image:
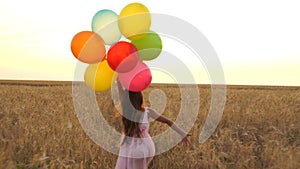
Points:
[(132, 108)]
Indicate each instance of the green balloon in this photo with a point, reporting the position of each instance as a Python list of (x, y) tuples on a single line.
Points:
[(149, 46)]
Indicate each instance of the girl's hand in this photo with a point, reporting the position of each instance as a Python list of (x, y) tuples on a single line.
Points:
[(120, 89), (186, 140)]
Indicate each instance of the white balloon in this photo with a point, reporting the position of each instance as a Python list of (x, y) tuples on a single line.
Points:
[(105, 24)]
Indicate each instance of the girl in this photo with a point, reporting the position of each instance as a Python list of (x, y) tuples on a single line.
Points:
[(137, 148)]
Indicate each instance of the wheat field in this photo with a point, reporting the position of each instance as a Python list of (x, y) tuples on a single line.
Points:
[(259, 128)]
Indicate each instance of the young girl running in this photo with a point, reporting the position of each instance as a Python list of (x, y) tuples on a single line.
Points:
[(137, 148)]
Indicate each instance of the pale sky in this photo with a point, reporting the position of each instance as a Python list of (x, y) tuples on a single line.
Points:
[(257, 42)]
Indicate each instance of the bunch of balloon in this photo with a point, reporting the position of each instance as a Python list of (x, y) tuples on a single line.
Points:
[(134, 23), (124, 58), (90, 47)]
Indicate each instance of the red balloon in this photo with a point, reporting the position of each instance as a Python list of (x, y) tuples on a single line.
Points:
[(122, 56), (138, 79)]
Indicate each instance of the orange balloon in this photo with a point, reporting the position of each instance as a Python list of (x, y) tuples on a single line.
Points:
[(88, 47)]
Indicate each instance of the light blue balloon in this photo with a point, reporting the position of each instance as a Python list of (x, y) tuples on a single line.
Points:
[(105, 24)]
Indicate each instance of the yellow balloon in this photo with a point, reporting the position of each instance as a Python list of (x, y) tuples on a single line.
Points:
[(99, 76), (134, 21)]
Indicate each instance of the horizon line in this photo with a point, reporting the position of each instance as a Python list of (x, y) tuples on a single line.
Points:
[(229, 84)]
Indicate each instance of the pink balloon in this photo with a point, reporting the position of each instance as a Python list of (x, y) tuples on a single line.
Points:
[(138, 79)]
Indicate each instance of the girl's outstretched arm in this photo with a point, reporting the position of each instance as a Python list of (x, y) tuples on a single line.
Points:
[(160, 118)]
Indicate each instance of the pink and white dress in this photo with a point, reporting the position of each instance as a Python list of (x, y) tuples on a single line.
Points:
[(137, 153)]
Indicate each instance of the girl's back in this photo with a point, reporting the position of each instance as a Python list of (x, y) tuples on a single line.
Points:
[(135, 151)]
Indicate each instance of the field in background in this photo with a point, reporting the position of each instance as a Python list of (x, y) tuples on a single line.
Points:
[(260, 128)]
